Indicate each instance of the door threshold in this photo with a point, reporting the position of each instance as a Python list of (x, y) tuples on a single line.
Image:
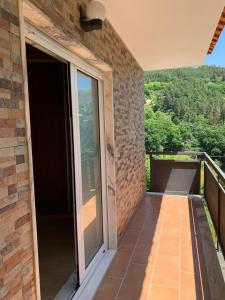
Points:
[(66, 289), (90, 285)]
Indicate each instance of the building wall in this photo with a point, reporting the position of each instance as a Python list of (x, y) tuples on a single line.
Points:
[(16, 254), (127, 96), (16, 248)]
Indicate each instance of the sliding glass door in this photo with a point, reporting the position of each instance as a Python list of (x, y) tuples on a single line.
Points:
[(86, 97), (72, 215), (88, 102)]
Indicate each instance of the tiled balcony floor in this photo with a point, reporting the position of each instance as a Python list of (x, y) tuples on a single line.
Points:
[(158, 257)]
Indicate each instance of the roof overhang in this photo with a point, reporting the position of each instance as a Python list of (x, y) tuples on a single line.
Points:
[(217, 33), (165, 33)]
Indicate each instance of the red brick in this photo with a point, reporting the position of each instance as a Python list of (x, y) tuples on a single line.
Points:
[(22, 220), (15, 113), (7, 123), (9, 171), (10, 247), (13, 290), (12, 189), (14, 260), (7, 132), (4, 24)]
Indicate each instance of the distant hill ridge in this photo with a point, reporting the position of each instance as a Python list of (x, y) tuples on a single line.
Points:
[(185, 110)]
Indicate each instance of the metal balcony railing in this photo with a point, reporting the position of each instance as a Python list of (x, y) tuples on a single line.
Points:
[(199, 174)]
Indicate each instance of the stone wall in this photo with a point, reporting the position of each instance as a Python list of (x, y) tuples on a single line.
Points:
[(127, 96), (16, 254), (16, 248)]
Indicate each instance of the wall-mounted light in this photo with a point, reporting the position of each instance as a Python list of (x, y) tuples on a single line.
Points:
[(92, 16)]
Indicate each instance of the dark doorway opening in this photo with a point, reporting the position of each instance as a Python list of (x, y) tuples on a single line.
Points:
[(52, 149)]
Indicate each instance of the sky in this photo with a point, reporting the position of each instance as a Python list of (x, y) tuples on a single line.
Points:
[(84, 81), (218, 56)]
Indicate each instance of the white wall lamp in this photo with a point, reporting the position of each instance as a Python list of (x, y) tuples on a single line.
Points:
[(92, 16)]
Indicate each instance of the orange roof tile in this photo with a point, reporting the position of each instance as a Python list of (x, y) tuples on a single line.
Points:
[(217, 33)]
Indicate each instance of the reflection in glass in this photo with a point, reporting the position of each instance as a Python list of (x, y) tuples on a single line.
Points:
[(90, 164)]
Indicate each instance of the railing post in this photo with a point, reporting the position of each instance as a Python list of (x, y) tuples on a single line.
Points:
[(218, 221), (204, 179), (150, 170), (201, 161)]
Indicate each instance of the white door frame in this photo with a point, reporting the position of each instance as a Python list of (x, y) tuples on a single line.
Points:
[(32, 35), (78, 173)]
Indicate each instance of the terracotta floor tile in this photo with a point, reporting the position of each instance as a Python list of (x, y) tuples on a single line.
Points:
[(161, 232), (108, 289), (169, 245), (173, 208), (152, 226), (171, 219), (145, 254), (120, 262), (148, 209), (140, 213), (130, 238), (156, 198), (186, 239), (137, 223), (185, 204), (166, 271), (171, 204), (153, 221), (155, 204), (171, 230), (187, 260), (188, 287), (136, 282), (151, 230), (186, 223), (185, 214), (149, 238), (163, 293), (186, 231)]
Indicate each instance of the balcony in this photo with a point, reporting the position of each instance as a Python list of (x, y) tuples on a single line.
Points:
[(168, 251)]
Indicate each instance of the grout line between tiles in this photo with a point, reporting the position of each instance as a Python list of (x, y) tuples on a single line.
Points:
[(157, 249), (163, 286), (114, 277), (139, 264), (129, 262), (186, 272)]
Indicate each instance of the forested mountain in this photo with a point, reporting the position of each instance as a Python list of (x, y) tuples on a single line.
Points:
[(185, 110)]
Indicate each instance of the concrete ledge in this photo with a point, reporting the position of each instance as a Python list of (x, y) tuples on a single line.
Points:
[(209, 261)]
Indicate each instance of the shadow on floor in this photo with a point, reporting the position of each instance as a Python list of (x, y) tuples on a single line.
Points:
[(56, 253), (159, 256)]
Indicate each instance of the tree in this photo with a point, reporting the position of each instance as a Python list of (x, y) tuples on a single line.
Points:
[(186, 110), (211, 138), (161, 134)]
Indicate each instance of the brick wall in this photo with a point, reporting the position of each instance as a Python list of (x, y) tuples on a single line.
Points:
[(16, 254), (16, 259), (127, 96)]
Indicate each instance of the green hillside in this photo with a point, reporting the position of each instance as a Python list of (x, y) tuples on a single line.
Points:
[(185, 110)]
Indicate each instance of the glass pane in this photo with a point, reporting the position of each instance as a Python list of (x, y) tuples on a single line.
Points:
[(91, 165)]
